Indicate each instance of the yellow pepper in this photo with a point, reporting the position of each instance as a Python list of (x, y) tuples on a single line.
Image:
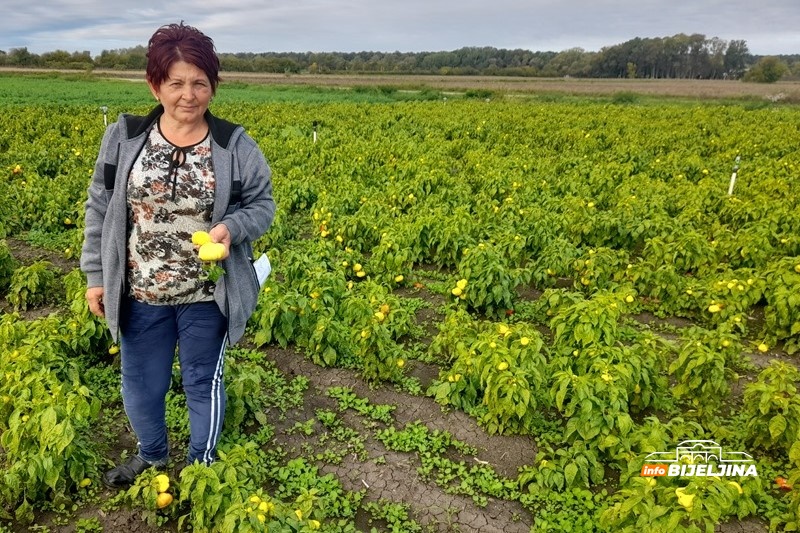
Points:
[(199, 238), (211, 251), (685, 500)]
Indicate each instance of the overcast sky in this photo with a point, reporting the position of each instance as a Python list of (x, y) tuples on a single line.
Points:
[(392, 25)]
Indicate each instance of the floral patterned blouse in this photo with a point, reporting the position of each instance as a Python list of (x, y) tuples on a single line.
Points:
[(170, 196)]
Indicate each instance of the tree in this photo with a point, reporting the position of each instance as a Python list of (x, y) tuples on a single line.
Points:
[(736, 58), (20, 57), (767, 70), (698, 57), (56, 59), (572, 62), (63, 59), (716, 56), (127, 58)]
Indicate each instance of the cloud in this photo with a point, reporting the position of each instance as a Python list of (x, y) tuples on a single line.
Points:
[(389, 25)]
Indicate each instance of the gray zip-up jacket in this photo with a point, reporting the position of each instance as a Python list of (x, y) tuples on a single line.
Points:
[(237, 160)]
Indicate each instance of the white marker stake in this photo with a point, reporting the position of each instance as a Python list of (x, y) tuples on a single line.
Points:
[(733, 176)]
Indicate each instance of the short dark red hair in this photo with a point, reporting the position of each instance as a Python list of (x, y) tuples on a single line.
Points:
[(180, 42)]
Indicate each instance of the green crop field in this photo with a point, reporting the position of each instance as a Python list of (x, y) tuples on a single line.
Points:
[(503, 304), (56, 89)]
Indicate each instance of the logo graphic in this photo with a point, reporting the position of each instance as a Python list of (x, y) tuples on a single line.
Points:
[(699, 458)]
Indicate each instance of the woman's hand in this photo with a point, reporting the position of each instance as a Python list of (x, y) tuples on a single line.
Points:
[(94, 295), (220, 234)]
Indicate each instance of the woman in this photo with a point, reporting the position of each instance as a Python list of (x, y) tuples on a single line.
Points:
[(157, 180)]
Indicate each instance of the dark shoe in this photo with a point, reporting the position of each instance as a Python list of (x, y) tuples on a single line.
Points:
[(123, 476)]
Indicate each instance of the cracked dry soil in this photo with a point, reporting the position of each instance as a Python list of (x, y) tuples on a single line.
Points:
[(395, 477)]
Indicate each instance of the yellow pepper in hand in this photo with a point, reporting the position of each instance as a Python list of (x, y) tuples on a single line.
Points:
[(199, 238), (211, 251)]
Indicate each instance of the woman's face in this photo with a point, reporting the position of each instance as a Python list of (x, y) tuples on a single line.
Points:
[(185, 94)]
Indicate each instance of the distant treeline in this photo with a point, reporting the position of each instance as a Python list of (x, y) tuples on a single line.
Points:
[(680, 56)]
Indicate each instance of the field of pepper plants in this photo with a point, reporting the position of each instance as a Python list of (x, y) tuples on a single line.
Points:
[(569, 277)]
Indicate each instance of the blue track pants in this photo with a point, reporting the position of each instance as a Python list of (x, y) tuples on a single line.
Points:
[(150, 335)]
